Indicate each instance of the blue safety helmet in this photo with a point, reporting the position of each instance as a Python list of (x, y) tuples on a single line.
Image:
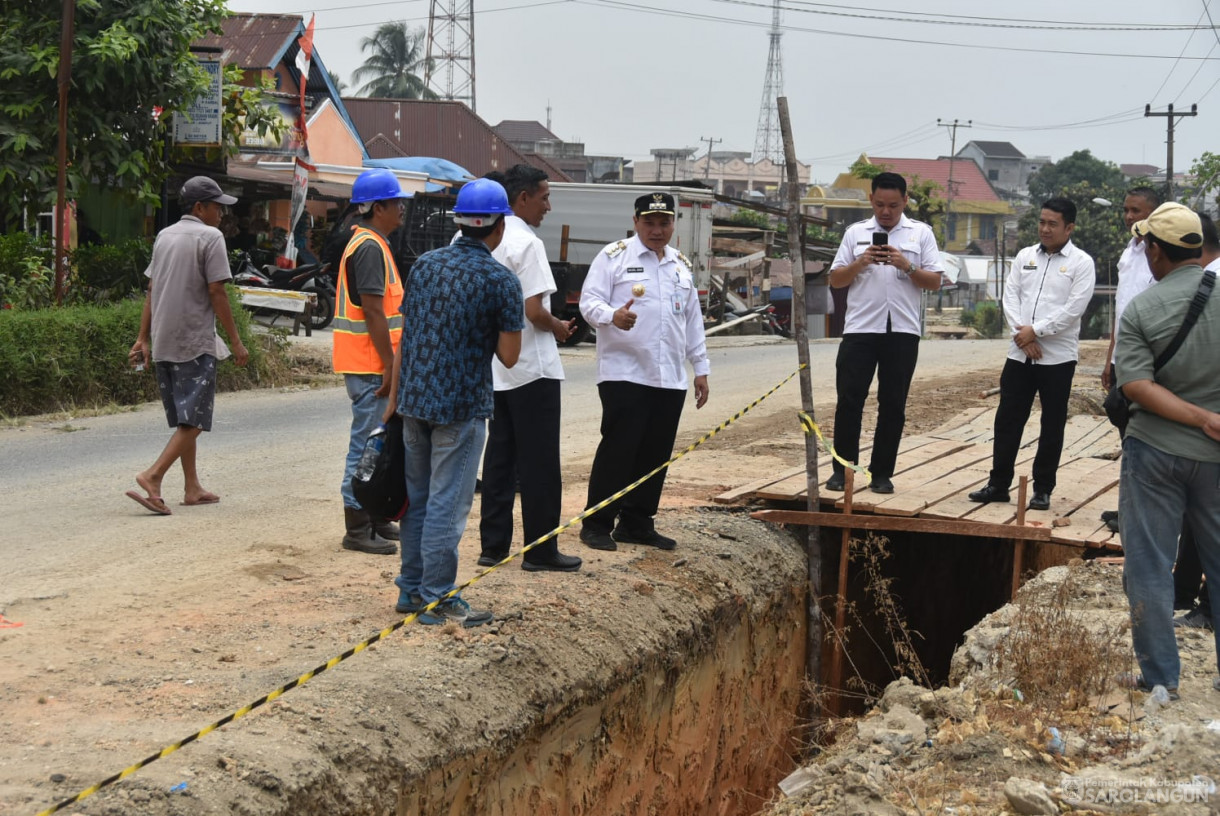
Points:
[(377, 185), (480, 203)]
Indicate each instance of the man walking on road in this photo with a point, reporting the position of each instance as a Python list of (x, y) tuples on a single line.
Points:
[(461, 308), (367, 330), (641, 297), (523, 436), (885, 261), (1045, 295), (186, 294), (1171, 453)]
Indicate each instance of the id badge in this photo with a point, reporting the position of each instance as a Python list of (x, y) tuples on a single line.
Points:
[(677, 304)]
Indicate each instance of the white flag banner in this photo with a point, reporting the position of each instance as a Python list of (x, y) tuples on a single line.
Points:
[(300, 191)]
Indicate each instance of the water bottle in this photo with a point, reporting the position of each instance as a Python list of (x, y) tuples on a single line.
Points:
[(372, 452)]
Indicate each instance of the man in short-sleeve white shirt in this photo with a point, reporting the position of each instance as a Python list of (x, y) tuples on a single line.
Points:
[(523, 436), (885, 262)]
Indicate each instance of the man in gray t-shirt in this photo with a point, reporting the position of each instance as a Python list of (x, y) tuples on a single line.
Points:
[(1171, 453), (186, 294)]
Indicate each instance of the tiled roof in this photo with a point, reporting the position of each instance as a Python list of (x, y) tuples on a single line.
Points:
[(968, 181), (999, 150), (524, 130)]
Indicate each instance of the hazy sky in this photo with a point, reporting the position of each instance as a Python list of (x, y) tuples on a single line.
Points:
[(625, 77)]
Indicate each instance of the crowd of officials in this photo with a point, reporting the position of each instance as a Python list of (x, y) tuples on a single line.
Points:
[(467, 337)]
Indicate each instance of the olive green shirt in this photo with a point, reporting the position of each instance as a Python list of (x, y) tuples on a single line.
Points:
[(1148, 326)]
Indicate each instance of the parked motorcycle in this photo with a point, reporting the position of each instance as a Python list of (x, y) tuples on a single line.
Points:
[(315, 278)]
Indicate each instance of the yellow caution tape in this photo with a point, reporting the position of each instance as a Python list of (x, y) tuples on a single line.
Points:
[(811, 427), (384, 633)]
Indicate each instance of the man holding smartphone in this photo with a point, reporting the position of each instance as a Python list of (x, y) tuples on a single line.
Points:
[(884, 262)]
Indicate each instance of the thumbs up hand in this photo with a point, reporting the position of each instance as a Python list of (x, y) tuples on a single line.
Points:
[(624, 318)]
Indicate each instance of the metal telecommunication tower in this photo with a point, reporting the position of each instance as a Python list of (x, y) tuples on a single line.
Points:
[(450, 68), (767, 141)]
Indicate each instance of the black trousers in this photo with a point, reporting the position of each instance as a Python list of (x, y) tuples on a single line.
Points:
[(1188, 583), (522, 443), (639, 424), (892, 357), (1019, 383)]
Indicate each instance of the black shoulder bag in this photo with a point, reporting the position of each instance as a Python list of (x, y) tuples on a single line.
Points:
[(1117, 406)]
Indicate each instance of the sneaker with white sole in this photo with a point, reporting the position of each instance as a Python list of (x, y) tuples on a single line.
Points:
[(456, 610)]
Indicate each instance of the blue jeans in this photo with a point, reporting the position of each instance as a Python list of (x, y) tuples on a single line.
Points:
[(367, 411), (1158, 490), (442, 464)]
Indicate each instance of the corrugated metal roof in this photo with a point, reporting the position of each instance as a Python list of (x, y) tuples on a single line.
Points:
[(441, 128), (524, 130), (998, 150), (968, 181), (254, 41)]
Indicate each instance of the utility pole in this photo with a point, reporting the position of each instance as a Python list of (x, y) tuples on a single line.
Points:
[(707, 166), (952, 126), (64, 81), (1169, 123)]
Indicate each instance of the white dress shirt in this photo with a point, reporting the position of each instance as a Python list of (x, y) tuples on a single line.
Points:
[(669, 324), (1050, 293), (524, 254), (1134, 277), (881, 293)]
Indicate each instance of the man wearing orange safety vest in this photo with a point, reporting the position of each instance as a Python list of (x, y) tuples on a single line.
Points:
[(367, 330)]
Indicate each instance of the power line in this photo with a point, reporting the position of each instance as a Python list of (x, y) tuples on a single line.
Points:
[(933, 14), (1174, 67), (619, 4), (976, 22)]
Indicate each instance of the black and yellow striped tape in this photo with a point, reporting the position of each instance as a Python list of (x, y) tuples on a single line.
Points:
[(384, 633), (811, 427)]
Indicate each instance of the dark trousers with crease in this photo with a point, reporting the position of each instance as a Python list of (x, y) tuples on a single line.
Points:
[(522, 447), (1188, 583), (639, 425), (1019, 384), (892, 357)]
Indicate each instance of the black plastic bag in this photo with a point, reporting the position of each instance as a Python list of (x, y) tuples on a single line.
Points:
[(1118, 409), (384, 494)]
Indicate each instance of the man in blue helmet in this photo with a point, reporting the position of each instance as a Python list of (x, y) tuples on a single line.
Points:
[(366, 334), (460, 309)]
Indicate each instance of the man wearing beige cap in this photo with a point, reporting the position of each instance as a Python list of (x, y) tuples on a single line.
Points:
[(186, 294), (1168, 367)]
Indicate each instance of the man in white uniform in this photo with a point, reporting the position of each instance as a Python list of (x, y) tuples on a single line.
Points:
[(885, 262), (1045, 296), (523, 436), (640, 295)]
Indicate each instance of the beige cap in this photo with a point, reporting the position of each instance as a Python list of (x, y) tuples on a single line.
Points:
[(1174, 224)]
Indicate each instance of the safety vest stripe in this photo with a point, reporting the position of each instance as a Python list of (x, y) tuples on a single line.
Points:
[(394, 322)]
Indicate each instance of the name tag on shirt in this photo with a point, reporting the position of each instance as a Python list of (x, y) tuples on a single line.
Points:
[(677, 304), (634, 270), (1033, 266)]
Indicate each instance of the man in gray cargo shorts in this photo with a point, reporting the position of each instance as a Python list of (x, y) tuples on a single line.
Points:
[(186, 293)]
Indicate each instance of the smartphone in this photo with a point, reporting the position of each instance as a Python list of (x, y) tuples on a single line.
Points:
[(881, 238)]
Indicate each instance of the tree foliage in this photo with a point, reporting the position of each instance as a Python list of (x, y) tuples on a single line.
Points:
[(1081, 166), (395, 63), (1081, 178), (129, 57), (1204, 190)]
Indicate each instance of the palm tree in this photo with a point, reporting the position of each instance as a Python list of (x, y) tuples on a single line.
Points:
[(393, 68), (339, 84)]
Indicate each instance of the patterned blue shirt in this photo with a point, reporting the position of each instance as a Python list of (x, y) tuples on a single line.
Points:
[(458, 299)]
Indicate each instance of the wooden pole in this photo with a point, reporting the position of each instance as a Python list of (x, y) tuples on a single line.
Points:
[(813, 544), (835, 680), (61, 182)]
